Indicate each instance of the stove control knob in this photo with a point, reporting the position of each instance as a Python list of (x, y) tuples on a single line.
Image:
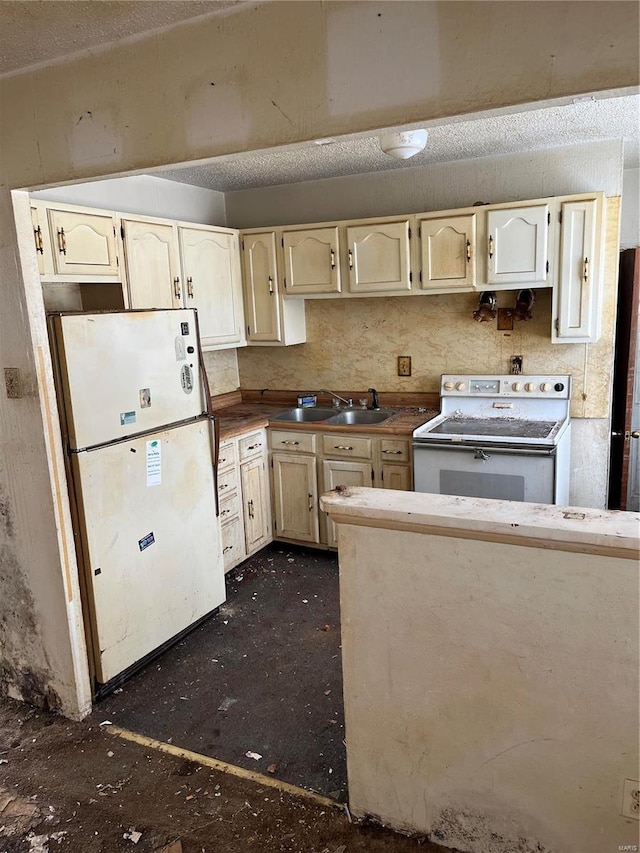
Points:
[(559, 386), (460, 386), (448, 386), (530, 386), (545, 386), (517, 386)]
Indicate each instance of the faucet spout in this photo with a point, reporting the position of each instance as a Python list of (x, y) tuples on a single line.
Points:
[(375, 403), (336, 397)]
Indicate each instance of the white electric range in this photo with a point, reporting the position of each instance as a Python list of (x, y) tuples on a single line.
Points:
[(505, 437)]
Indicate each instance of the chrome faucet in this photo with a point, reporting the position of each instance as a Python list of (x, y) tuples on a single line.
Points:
[(337, 398), (375, 403)]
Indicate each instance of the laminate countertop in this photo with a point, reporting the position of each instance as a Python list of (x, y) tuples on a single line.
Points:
[(243, 417)]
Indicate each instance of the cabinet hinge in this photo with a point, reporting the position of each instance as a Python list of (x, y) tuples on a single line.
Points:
[(248, 330), (420, 276), (272, 463), (556, 323), (382, 476), (409, 233), (372, 475), (549, 217), (560, 217), (285, 280), (420, 230), (275, 524), (410, 276), (122, 231), (547, 266), (242, 245), (282, 242)]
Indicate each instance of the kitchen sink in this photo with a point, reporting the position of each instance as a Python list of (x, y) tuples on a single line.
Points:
[(361, 416), (303, 415)]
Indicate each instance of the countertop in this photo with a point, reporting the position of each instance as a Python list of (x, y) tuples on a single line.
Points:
[(245, 416)]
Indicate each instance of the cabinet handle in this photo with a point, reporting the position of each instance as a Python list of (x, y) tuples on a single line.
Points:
[(468, 251), (190, 287), (490, 246), (585, 273), (271, 284), (227, 548), (393, 452), (341, 447), (38, 235), (223, 486), (350, 259), (62, 242), (289, 442), (250, 508), (253, 446), (225, 512), (333, 259), (310, 502), (220, 461), (176, 288)]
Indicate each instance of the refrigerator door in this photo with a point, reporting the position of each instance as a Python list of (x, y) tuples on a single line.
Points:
[(150, 539), (124, 373)]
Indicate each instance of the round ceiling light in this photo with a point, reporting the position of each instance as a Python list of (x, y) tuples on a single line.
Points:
[(403, 144)]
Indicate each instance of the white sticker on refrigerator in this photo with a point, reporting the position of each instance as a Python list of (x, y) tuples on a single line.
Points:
[(154, 463)]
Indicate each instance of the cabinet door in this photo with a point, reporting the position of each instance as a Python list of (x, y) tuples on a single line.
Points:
[(262, 305), (311, 261), (341, 473), (517, 245), (233, 551), (255, 497), (152, 264), (395, 477), (576, 297), (379, 257), (448, 252), (295, 497), (211, 270), (85, 243)]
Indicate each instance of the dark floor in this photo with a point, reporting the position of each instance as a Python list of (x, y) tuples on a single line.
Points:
[(262, 675)]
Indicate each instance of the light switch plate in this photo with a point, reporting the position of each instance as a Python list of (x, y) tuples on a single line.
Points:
[(404, 365)]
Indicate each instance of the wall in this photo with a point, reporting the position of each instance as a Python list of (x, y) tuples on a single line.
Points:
[(630, 216), (145, 195), (201, 90), (490, 675)]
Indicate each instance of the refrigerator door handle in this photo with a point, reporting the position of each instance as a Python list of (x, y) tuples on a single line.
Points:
[(213, 423)]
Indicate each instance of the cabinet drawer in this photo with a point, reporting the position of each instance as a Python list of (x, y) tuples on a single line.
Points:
[(227, 455), (229, 507), (252, 445), (227, 482), (394, 450), (348, 446), (292, 442), (232, 535)]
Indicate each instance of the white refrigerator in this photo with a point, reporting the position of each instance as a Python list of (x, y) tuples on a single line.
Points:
[(142, 456)]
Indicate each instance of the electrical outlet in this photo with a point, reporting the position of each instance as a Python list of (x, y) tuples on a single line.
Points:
[(12, 383), (631, 799), (404, 365)]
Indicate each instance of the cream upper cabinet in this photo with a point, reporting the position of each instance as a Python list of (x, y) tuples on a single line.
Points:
[(211, 283), (379, 257), (517, 245), (84, 243), (295, 497), (152, 264), (311, 261), (270, 320), (448, 252), (576, 297)]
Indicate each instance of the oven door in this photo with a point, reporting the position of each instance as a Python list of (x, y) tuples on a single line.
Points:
[(501, 473)]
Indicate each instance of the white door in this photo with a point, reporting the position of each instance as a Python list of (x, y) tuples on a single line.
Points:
[(85, 243), (448, 252), (379, 257), (311, 261), (151, 541), (212, 281), (517, 240), (261, 301), (153, 264), (127, 372)]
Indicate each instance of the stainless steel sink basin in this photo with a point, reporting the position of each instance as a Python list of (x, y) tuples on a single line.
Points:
[(360, 416), (303, 415)]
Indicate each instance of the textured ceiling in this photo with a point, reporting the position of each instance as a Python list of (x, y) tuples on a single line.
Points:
[(33, 32), (582, 121)]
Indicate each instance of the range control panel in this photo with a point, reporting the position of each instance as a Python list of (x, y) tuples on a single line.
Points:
[(510, 385)]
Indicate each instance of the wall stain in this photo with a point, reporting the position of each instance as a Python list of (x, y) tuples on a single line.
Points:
[(468, 831), (6, 516)]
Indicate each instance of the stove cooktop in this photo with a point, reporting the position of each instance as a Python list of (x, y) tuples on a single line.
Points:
[(494, 428)]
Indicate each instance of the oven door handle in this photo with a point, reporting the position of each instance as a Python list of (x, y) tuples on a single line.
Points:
[(487, 449)]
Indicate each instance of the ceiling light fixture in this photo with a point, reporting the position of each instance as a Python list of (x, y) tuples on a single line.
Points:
[(403, 144)]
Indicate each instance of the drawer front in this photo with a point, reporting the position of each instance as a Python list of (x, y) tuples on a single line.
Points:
[(227, 482), (227, 455), (394, 450), (232, 535), (347, 446), (252, 445), (292, 442), (229, 507)]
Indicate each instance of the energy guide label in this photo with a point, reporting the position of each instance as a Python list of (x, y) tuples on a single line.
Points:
[(154, 463)]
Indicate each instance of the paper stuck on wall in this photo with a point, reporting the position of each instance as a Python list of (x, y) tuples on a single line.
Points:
[(154, 463)]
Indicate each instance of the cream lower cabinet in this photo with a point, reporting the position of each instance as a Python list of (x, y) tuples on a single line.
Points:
[(294, 486), (230, 505), (394, 469), (254, 479), (339, 472)]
